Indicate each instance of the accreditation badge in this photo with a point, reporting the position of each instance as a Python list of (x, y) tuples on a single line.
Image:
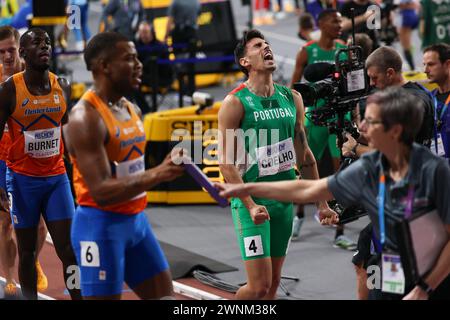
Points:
[(438, 148), (392, 274)]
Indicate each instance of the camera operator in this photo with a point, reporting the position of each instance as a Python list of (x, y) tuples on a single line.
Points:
[(384, 68), (353, 149), (381, 179), (319, 138), (436, 60)]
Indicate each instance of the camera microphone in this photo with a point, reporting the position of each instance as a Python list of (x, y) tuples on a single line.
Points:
[(318, 71)]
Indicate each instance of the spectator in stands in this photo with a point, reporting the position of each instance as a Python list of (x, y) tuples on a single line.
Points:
[(150, 49), (126, 15), (182, 23), (182, 27)]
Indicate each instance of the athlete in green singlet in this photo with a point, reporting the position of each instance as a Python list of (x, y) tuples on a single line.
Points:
[(435, 22), (324, 50), (319, 138), (268, 119)]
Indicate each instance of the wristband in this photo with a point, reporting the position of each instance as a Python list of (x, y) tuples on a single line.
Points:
[(425, 286)]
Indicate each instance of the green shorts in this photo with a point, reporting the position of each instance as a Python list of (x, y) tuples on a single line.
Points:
[(318, 139), (269, 239)]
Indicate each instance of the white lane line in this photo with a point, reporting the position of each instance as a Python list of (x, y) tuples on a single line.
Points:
[(40, 295)]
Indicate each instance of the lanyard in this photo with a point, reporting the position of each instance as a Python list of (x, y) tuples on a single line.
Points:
[(444, 108), (381, 201)]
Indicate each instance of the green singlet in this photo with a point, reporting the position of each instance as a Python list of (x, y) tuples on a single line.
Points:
[(268, 127), (318, 136), (436, 17)]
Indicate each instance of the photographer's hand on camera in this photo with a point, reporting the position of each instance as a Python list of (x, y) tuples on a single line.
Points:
[(349, 146)]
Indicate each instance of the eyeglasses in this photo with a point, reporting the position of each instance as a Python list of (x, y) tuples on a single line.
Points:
[(371, 122)]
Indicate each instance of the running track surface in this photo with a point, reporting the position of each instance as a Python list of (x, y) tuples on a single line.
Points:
[(56, 289)]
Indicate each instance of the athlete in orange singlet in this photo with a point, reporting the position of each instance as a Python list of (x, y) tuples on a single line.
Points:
[(33, 103), (11, 64), (111, 236)]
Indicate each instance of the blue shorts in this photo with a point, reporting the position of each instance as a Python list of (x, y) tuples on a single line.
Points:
[(31, 196), (112, 248), (4, 206), (3, 175), (410, 18)]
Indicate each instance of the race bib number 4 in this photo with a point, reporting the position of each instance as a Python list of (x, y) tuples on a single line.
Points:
[(43, 143), (253, 246), (276, 158), (130, 168)]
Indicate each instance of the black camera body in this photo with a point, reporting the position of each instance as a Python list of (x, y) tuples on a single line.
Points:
[(341, 85)]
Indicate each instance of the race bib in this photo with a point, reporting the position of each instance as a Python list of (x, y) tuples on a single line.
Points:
[(393, 277), (276, 158), (130, 168), (43, 143), (438, 148)]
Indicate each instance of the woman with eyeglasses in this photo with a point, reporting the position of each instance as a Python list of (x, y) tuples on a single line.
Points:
[(398, 179)]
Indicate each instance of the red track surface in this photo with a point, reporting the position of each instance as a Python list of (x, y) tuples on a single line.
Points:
[(56, 288)]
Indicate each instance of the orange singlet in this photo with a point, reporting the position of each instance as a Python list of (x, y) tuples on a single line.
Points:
[(125, 149), (35, 130)]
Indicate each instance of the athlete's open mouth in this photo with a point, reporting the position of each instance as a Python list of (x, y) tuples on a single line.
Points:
[(137, 77), (268, 55)]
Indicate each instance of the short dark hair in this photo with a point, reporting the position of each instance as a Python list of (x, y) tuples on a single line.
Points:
[(326, 13), (102, 44), (398, 106), (7, 32), (442, 49), (306, 21), (384, 58), (239, 51), (366, 44), (27, 35)]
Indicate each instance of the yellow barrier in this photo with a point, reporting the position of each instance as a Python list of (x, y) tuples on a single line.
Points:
[(161, 136), (419, 77)]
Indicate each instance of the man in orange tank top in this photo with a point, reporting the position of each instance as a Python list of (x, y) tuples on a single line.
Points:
[(111, 235), (34, 104), (11, 64)]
